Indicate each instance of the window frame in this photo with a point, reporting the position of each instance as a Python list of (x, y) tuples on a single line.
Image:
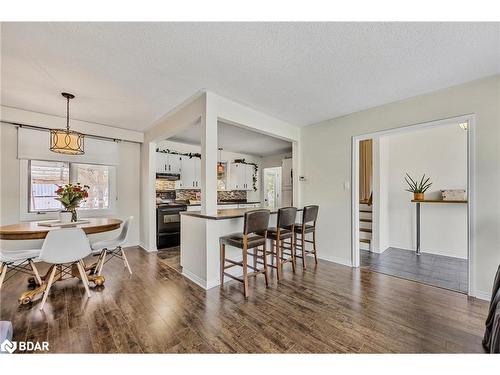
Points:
[(26, 215)]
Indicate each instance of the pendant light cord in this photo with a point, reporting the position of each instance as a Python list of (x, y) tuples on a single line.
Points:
[(67, 114)]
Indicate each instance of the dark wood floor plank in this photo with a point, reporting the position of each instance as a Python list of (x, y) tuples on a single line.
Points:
[(325, 309)]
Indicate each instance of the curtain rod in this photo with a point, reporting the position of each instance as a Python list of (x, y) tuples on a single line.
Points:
[(46, 129)]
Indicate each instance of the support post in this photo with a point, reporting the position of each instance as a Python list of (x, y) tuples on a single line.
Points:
[(209, 148)]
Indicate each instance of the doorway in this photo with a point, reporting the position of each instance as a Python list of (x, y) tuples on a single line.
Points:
[(272, 187), (438, 226)]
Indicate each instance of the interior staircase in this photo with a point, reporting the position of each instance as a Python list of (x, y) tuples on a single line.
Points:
[(365, 225)]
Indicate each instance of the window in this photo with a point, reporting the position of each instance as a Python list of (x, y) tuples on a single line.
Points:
[(97, 178), (45, 176)]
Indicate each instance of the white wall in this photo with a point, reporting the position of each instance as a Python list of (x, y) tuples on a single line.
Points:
[(380, 207), (228, 156), (440, 153), (127, 180), (326, 164)]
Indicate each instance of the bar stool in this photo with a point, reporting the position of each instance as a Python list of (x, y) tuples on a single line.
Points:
[(254, 235), (308, 225), (284, 230)]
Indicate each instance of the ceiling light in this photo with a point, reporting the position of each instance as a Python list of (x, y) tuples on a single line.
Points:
[(65, 141), (463, 125)]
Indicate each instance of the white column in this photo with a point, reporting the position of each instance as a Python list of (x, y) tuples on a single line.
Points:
[(209, 146)]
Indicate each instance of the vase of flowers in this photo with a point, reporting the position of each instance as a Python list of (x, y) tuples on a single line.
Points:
[(70, 196), (418, 188)]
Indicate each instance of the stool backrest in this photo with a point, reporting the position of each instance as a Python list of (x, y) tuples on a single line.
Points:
[(256, 221), (310, 214), (65, 246), (286, 217)]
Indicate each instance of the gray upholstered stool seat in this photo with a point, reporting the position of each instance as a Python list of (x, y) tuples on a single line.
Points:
[(284, 233), (236, 240)]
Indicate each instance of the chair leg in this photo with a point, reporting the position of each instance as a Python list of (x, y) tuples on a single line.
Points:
[(222, 263), (292, 251), (35, 272), (49, 284), (125, 260), (104, 252), (245, 271), (266, 272), (3, 272), (314, 247), (255, 257), (83, 275), (278, 259), (272, 252), (303, 247)]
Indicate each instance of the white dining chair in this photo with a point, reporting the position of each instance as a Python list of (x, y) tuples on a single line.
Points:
[(19, 261), (113, 248), (62, 248)]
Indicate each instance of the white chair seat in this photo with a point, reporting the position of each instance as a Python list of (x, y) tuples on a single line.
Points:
[(18, 255), (98, 246)]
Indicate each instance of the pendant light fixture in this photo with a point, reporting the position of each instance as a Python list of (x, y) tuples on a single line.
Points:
[(65, 141), (220, 166)]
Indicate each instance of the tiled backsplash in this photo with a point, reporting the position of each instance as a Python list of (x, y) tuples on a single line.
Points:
[(232, 195), (164, 185), (184, 194)]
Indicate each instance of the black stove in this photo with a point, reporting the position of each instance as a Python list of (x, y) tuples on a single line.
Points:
[(168, 223)]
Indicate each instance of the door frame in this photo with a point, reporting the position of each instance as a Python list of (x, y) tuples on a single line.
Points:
[(471, 186)]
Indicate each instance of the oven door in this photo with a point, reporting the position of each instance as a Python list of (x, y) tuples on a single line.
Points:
[(168, 223)]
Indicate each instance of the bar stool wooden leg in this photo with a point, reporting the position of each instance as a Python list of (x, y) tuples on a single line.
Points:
[(292, 251), (266, 273), (222, 262), (245, 270), (314, 247), (273, 244), (255, 254), (278, 259), (303, 248)]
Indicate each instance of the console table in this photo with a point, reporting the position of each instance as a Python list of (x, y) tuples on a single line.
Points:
[(418, 202)]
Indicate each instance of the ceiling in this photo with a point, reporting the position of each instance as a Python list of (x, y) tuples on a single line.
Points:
[(130, 74), (236, 139)]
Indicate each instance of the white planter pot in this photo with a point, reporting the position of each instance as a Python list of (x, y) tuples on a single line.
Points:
[(65, 217)]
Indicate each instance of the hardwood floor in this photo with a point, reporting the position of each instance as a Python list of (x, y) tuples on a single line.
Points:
[(330, 309)]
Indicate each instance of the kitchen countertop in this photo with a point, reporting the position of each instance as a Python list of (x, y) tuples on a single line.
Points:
[(226, 214), (224, 203)]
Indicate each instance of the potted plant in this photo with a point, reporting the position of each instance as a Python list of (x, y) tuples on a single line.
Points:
[(418, 188), (71, 196)]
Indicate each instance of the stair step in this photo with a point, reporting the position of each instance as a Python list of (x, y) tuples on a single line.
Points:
[(365, 240), (366, 211), (368, 230), (365, 220)]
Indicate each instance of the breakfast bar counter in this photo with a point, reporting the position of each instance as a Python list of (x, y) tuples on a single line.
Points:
[(200, 235)]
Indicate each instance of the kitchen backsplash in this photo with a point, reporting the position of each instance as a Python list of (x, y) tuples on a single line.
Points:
[(231, 195), (221, 195), (184, 194), (164, 185)]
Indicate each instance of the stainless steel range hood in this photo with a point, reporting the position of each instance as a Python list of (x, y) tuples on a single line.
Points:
[(168, 176)]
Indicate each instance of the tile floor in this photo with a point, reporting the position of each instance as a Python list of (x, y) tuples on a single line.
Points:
[(437, 270)]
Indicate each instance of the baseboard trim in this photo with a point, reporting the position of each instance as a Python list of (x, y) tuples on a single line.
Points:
[(195, 279), (485, 296), (337, 260)]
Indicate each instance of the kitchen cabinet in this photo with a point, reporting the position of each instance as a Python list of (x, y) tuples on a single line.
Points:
[(241, 176), (190, 173), (168, 163)]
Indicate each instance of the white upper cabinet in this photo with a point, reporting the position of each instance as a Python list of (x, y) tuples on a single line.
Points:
[(168, 163), (241, 176), (173, 163), (161, 162), (190, 173)]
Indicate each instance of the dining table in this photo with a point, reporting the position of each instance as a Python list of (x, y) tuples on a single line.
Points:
[(37, 230)]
